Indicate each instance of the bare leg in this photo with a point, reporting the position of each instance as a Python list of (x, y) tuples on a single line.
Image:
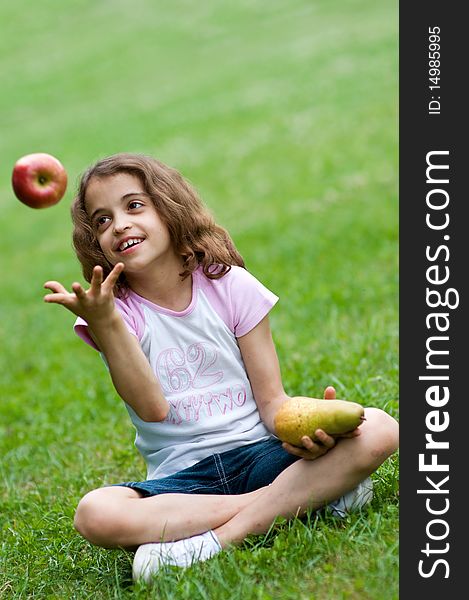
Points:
[(119, 517), (312, 484)]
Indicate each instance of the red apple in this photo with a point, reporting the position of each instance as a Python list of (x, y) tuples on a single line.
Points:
[(39, 180)]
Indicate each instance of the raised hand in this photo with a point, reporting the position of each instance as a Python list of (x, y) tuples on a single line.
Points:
[(95, 304)]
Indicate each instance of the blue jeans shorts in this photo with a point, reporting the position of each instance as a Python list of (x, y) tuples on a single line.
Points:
[(237, 471)]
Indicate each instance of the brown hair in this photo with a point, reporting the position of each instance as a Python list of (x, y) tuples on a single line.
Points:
[(193, 231)]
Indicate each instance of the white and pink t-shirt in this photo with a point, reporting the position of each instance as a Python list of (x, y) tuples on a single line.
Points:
[(196, 358)]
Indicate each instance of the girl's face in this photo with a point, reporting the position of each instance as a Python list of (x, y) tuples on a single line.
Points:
[(126, 223)]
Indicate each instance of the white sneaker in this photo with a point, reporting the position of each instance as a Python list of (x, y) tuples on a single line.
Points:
[(353, 500), (149, 558)]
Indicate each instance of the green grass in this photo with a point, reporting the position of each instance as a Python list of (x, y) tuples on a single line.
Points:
[(283, 115)]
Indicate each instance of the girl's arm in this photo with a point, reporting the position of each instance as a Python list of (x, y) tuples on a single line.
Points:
[(130, 371), (263, 369)]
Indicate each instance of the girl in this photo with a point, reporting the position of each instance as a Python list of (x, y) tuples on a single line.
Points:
[(183, 328)]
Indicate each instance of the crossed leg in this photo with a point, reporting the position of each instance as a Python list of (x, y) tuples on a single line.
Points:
[(309, 485), (119, 517)]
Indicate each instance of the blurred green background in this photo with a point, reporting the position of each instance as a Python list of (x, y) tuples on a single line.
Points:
[(284, 116)]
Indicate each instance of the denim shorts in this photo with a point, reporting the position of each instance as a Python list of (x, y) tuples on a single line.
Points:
[(237, 471)]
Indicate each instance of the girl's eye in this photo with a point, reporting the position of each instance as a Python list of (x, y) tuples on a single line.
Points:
[(101, 221), (135, 204)]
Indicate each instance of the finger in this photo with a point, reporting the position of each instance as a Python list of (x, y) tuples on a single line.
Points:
[(295, 450), (351, 434), (113, 276), (55, 287), (79, 291), (329, 393), (304, 453), (96, 279), (326, 440), (57, 298)]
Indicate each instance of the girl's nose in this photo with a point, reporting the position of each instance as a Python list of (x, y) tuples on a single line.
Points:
[(121, 225)]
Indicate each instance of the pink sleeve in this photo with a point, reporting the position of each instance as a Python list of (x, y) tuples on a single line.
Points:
[(239, 298), (131, 313), (250, 300)]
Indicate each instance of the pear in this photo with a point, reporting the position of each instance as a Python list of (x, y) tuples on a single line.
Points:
[(301, 416)]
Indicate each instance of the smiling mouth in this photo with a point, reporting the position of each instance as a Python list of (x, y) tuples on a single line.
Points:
[(129, 244)]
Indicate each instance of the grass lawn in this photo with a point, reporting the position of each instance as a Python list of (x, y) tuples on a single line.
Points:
[(284, 117)]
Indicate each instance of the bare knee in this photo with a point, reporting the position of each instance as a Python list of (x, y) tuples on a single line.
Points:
[(98, 518), (379, 438), (92, 518)]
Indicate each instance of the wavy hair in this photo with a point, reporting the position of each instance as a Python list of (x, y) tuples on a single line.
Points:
[(193, 231)]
